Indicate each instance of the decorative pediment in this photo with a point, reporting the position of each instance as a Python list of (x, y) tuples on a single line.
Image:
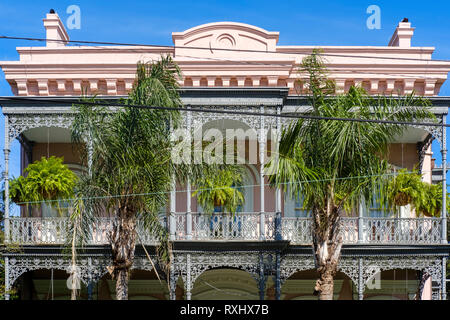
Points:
[(227, 35)]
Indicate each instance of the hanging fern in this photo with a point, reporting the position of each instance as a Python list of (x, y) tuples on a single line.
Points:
[(47, 179), (408, 188), (404, 189)]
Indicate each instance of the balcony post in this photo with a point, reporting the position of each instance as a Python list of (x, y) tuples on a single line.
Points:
[(188, 211), (172, 281), (278, 231), (361, 221), (360, 280), (278, 276), (261, 145), (6, 151), (444, 279), (444, 183), (89, 289), (188, 185), (7, 284), (188, 277), (262, 278), (173, 202), (173, 208)]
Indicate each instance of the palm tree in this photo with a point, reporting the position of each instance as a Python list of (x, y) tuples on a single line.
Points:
[(336, 164), (131, 170)]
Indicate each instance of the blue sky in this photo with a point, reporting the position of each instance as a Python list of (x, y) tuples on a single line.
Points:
[(299, 23)]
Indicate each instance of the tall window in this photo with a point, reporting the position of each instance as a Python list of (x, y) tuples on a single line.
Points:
[(294, 207), (375, 209)]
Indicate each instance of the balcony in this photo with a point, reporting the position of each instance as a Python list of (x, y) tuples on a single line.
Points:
[(241, 227)]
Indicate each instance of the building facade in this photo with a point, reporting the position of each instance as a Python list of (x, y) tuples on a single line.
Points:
[(265, 251)]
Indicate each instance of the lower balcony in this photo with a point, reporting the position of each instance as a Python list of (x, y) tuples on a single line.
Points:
[(240, 227)]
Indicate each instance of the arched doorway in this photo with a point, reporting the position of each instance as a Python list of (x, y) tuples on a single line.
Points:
[(46, 284), (396, 284), (225, 284)]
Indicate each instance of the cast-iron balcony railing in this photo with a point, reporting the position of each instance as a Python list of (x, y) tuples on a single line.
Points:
[(240, 227)]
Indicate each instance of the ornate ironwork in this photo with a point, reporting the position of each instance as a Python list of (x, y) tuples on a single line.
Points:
[(402, 230), (241, 226), (191, 265), (291, 264), (252, 121), (431, 265), (21, 122), (26, 231), (88, 268)]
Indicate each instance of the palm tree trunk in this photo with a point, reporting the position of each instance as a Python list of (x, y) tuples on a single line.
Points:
[(123, 242), (122, 284), (325, 283), (327, 246)]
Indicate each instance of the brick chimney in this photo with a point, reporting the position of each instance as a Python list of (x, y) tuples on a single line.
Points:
[(402, 35), (55, 30)]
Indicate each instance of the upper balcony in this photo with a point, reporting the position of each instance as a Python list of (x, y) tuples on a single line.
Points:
[(240, 227)]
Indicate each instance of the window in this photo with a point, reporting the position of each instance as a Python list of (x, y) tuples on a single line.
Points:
[(294, 207), (375, 209)]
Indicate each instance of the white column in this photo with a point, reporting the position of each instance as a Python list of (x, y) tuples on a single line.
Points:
[(444, 279), (188, 186), (172, 280), (361, 220), (188, 210), (278, 137), (444, 183), (361, 283), (173, 208), (188, 277), (7, 284), (261, 141), (173, 203), (6, 151)]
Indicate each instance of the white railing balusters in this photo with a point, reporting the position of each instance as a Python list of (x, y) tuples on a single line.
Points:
[(244, 226)]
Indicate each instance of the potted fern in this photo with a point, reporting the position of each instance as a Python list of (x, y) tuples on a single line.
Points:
[(48, 179)]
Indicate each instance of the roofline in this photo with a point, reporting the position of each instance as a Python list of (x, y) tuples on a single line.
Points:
[(440, 104)]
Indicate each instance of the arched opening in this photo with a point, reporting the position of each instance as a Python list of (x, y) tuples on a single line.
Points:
[(225, 284), (396, 284), (46, 284), (300, 286), (47, 142), (243, 141)]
